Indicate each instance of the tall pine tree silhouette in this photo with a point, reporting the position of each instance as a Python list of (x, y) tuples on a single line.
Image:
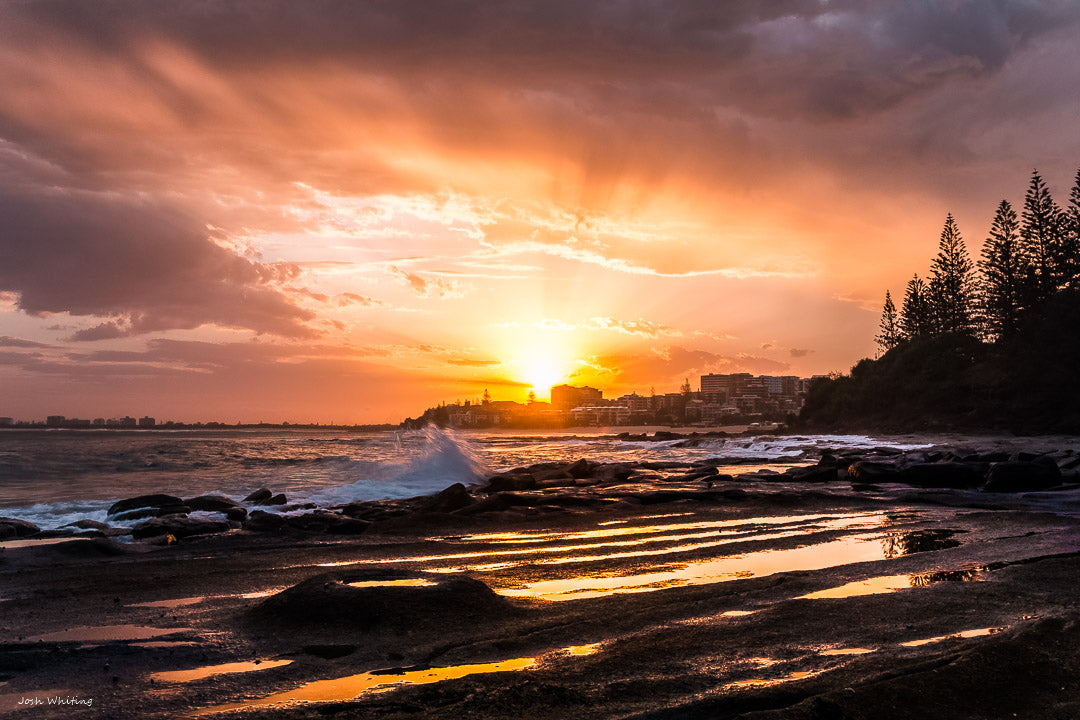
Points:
[(915, 312), (1071, 237), (1040, 233), (952, 285), (1002, 267), (889, 337)]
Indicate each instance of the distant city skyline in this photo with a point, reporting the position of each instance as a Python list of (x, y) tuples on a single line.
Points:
[(348, 210)]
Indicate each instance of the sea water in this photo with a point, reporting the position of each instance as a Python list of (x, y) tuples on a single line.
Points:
[(53, 477)]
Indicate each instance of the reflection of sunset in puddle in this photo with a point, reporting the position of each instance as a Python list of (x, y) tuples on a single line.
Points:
[(410, 582), (531, 537), (846, 651), (175, 602), (873, 586), (772, 681), (981, 632), (183, 676), (106, 633), (755, 564), (353, 686)]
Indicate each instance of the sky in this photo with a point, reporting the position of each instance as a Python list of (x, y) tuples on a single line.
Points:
[(343, 211)]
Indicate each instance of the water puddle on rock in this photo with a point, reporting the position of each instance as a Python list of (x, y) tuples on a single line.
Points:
[(355, 686), (173, 603), (183, 676), (755, 564), (107, 633), (847, 651), (980, 632), (410, 582), (892, 583), (771, 681)]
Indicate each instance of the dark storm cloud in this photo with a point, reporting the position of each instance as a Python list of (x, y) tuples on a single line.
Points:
[(148, 266), (825, 59)]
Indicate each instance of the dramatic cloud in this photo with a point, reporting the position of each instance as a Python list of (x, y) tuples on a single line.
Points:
[(401, 195)]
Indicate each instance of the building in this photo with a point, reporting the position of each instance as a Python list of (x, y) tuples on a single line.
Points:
[(5, 421), (565, 398), (147, 422), (719, 388)]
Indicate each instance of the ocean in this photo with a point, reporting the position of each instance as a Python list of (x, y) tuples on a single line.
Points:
[(54, 477)]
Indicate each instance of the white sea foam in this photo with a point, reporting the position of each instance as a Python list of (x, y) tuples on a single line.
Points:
[(441, 459)]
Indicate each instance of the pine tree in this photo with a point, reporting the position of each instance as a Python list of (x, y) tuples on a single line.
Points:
[(915, 312), (1002, 267), (952, 286), (889, 337), (1040, 233), (1071, 237)]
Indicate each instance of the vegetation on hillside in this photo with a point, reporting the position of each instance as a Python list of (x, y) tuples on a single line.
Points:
[(989, 346)]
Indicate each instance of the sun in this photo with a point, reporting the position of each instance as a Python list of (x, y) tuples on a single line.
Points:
[(542, 372)]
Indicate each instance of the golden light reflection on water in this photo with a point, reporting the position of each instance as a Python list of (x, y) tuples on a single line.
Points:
[(847, 651), (980, 632), (873, 586), (183, 676), (860, 548), (531, 537), (354, 686), (410, 582), (106, 633), (773, 681)]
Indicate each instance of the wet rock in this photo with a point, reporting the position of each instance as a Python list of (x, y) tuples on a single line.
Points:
[(138, 514), (327, 522), (261, 521), (499, 483), (700, 473), (12, 528), (177, 526), (916, 541), (1017, 476), (613, 473), (945, 475), (236, 514), (259, 496), (211, 503), (813, 474), (329, 652), (328, 603), (867, 471), (172, 510), (580, 469), (90, 548), (143, 501), (87, 524), (452, 498), (278, 499)]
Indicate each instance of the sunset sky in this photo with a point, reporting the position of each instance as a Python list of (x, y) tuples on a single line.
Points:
[(350, 211)]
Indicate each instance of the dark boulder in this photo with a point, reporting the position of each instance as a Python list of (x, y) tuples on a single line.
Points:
[(952, 475), (452, 498), (614, 473), (88, 525), (211, 503), (259, 496), (237, 514), (278, 499), (323, 521), (136, 514), (12, 528), (813, 474), (1022, 476), (178, 527), (499, 483), (699, 473), (867, 471), (372, 599), (260, 521), (580, 469), (143, 501)]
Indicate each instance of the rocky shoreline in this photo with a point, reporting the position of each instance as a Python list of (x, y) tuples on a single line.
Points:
[(858, 584)]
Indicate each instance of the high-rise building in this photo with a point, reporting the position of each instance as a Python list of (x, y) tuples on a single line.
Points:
[(565, 398)]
